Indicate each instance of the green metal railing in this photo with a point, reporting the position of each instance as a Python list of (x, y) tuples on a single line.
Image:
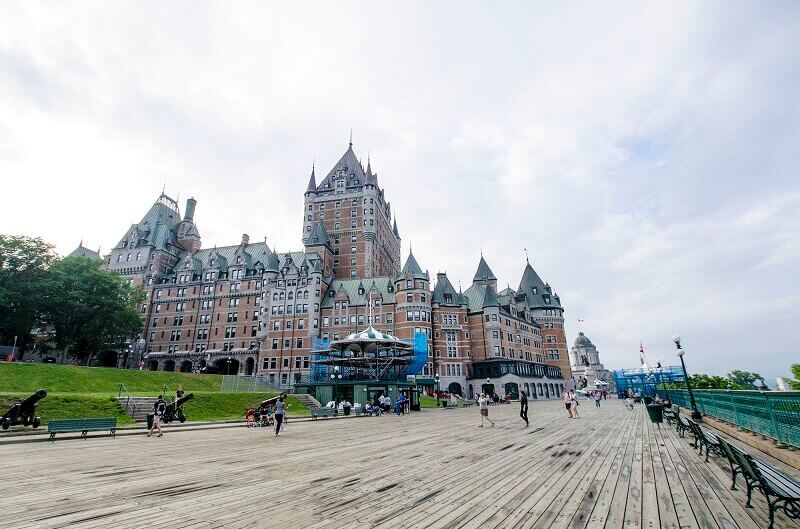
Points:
[(774, 414)]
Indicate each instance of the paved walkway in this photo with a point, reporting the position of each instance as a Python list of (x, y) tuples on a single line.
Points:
[(611, 468)]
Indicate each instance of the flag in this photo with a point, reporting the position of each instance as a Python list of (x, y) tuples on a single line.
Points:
[(641, 352)]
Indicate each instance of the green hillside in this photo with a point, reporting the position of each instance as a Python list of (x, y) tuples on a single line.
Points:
[(22, 377)]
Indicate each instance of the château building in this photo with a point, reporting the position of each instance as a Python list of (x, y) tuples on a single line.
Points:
[(252, 309)]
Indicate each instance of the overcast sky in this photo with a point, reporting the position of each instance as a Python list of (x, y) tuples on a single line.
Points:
[(646, 155)]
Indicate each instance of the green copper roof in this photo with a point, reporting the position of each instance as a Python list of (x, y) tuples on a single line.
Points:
[(484, 272), (355, 297), (412, 267), (444, 288), (537, 292), (490, 298), (319, 236)]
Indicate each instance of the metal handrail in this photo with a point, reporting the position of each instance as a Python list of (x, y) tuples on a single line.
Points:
[(128, 403), (773, 414)]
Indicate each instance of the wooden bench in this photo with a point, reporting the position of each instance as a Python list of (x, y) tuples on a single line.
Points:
[(84, 426), (705, 439), (734, 455), (322, 412), (781, 491), (669, 415), (682, 424)]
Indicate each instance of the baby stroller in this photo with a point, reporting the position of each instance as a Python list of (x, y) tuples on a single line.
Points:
[(264, 415)]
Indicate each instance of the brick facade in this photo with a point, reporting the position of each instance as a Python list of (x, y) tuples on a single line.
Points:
[(249, 309)]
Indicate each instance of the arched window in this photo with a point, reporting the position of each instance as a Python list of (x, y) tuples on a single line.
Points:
[(290, 296), (280, 297), (274, 296)]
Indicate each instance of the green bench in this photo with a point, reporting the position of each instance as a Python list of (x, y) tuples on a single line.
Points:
[(84, 426), (322, 412)]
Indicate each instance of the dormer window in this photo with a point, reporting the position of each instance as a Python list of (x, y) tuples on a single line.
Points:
[(360, 291), (535, 291), (211, 262)]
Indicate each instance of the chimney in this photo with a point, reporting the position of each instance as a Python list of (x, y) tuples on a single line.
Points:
[(245, 239), (190, 205)]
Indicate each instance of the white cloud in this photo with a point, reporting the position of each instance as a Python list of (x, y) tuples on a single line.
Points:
[(644, 154)]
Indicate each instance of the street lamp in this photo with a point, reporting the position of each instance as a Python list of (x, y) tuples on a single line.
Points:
[(661, 379), (695, 414), (436, 379), (229, 366)]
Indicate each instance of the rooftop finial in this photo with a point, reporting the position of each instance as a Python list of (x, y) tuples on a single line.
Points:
[(351, 137), (164, 187), (526, 256)]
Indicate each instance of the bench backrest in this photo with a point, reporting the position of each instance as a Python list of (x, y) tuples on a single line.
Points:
[(774, 481), (727, 449), (66, 425), (746, 462), (684, 421)]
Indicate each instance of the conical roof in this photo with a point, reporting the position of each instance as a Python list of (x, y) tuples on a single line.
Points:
[(536, 291), (312, 182), (484, 272), (412, 267), (490, 298), (271, 262), (394, 229), (319, 236), (443, 290)]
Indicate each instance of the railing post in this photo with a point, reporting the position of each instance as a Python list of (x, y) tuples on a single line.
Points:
[(735, 411), (776, 430)]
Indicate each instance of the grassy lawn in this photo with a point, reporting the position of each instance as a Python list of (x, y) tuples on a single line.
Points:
[(427, 402), (221, 406), (204, 406), (21, 377), (72, 407)]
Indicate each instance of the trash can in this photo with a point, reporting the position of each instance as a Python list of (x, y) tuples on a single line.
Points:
[(656, 412), (647, 400), (150, 421), (346, 410)]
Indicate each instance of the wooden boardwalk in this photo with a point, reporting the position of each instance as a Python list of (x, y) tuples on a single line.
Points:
[(609, 469)]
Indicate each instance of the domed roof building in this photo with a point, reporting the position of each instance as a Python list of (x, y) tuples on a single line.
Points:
[(587, 370)]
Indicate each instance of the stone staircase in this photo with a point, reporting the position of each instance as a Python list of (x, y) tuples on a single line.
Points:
[(143, 406), (307, 400)]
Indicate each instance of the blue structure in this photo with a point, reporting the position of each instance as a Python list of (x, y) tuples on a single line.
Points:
[(645, 381)]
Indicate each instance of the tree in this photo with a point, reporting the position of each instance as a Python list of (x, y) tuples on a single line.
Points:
[(795, 384), (90, 309), (24, 262), (744, 379)]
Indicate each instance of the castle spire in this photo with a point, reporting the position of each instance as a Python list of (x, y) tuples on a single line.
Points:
[(312, 182)]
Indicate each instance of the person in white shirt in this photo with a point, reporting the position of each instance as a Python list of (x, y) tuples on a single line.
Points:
[(483, 405)]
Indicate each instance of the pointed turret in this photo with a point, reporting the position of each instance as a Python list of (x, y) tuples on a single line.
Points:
[(484, 274), (271, 264), (394, 229), (319, 236), (444, 293), (537, 292), (372, 178), (490, 298), (412, 267), (312, 182)]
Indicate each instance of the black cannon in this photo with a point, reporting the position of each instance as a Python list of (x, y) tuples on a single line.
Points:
[(174, 411), (24, 412)]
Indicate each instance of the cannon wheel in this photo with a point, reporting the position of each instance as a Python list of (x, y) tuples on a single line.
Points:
[(182, 418), (6, 424), (37, 422)]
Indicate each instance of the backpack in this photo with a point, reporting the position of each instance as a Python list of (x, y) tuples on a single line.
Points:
[(161, 407)]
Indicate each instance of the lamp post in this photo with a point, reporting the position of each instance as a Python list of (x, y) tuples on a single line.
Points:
[(228, 370), (661, 378), (436, 379), (695, 414)]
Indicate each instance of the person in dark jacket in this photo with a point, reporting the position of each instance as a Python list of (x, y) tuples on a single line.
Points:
[(523, 407), (159, 407)]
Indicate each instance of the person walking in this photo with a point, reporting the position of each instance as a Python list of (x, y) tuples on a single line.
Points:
[(575, 404), (483, 405), (159, 407), (597, 397), (567, 402), (523, 407), (280, 411)]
